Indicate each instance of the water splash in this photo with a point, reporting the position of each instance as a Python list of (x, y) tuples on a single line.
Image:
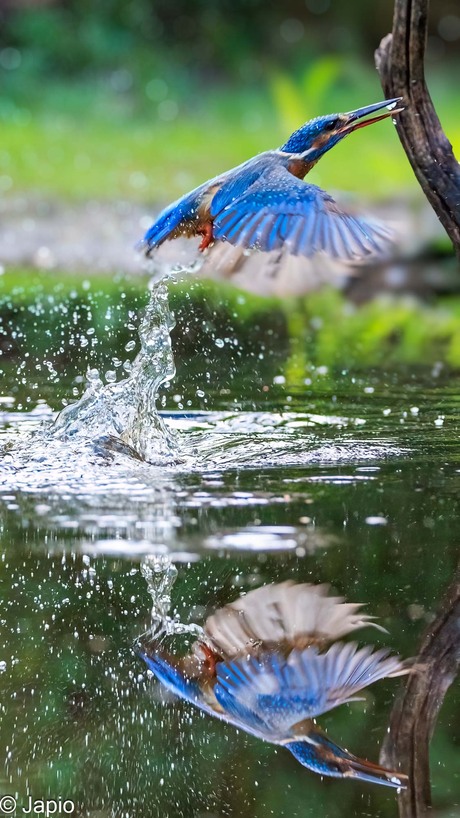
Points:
[(127, 410), (160, 575)]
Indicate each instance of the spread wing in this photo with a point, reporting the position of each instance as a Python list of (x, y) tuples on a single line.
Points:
[(279, 693), (279, 210), (283, 615), (202, 696), (183, 216)]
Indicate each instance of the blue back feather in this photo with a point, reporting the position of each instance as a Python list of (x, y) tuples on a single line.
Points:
[(236, 184), (172, 679), (179, 212)]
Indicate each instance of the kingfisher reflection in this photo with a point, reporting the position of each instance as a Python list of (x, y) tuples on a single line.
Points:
[(272, 661)]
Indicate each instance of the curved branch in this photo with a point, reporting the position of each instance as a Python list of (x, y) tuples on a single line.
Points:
[(414, 714), (400, 63)]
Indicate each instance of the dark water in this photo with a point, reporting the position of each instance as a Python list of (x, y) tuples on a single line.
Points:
[(341, 476)]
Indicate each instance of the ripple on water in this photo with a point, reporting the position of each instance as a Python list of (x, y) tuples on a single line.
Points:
[(204, 442), (102, 489), (272, 440)]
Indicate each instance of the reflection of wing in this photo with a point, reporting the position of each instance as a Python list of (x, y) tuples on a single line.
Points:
[(201, 695), (287, 615), (273, 694), (173, 678), (279, 210)]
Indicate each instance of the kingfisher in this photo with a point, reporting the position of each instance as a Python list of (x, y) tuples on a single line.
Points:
[(264, 205), (272, 661)]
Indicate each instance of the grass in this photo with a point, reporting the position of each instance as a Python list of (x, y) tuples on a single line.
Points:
[(87, 141)]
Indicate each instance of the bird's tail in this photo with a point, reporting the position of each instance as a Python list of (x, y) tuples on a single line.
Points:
[(322, 756)]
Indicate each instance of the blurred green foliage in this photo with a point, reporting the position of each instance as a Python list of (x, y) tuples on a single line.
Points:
[(88, 141), (54, 328), (74, 37), (315, 87), (146, 99)]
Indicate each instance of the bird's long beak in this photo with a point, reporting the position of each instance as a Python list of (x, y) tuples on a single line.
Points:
[(355, 119)]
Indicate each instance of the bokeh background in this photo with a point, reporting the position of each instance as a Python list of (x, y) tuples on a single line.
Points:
[(144, 99), (109, 110)]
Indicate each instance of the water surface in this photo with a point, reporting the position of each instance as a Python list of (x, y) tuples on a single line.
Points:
[(346, 476)]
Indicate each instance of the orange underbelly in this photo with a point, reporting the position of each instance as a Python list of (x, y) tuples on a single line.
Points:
[(202, 222)]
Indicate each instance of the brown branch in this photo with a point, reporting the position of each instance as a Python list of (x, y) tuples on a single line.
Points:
[(414, 714), (400, 63)]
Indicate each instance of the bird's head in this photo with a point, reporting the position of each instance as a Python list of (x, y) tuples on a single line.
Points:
[(316, 752), (320, 134)]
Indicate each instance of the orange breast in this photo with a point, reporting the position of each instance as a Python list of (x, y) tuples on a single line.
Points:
[(300, 168)]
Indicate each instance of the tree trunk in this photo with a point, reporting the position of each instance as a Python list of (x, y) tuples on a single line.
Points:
[(414, 714), (400, 63)]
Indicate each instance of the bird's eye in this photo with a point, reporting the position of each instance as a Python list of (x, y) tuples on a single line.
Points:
[(332, 125)]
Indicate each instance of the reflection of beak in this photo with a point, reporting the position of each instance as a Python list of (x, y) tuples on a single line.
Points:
[(355, 118)]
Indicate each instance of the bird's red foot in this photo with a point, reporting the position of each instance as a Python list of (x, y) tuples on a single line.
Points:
[(210, 659), (206, 232)]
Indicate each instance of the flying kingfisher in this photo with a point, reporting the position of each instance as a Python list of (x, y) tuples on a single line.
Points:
[(269, 664), (265, 205)]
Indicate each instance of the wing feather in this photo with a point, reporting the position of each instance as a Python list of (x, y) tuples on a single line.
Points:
[(276, 693), (286, 615), (304, 217), (266, 228), (233, 223)]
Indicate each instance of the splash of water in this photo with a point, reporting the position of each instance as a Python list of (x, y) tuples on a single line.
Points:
[(127, 410), (160, 575)]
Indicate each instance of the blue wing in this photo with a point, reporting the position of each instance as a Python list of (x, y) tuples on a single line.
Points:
[(183, 215), (175, 681), (230, 679), (282, 692), (173, 218), (191, 691), (236, 183), (279, 210)]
